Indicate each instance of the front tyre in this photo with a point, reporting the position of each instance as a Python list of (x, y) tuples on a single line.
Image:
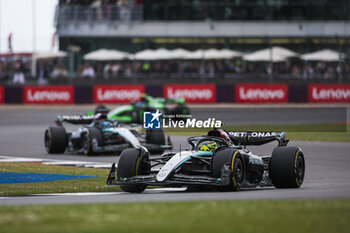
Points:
[(133, 163), (287, 167), (229, 159), (55, 139), (156, 137)]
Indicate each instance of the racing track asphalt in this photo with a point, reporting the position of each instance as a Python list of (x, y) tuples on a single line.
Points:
[(327, 164)]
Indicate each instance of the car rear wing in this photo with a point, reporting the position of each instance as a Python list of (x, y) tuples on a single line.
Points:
[(74, 119), (248, 138)]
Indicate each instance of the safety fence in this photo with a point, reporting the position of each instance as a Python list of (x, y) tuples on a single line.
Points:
[(193, 93)]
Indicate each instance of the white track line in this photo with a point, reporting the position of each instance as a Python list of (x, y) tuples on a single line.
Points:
[(56, 162), (95, 193)]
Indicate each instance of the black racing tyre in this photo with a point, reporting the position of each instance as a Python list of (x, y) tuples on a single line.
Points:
[(93, 136), (234, 160), (56, 140), (287, 167), (132, 163), (157, 137)]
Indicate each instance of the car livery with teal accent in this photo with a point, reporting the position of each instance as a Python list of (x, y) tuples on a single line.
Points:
[(224, 165), (133, 113), (99, 135)]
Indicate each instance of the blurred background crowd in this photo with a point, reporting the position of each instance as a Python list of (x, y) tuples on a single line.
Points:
[(54, 69)]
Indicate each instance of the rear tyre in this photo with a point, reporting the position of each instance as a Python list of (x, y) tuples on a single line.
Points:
[(91, 140), (287, 167), (132, 163), (157, 137), (55, 139), (234, 160)]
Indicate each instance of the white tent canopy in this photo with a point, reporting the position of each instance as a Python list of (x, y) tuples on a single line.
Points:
[(221, 54), (323, 55), (279, 54), (50, 54), (195, 55), (149, 54), (106, 55), (179, 53)]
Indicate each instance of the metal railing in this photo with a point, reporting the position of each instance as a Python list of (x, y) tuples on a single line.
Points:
[(103, 13)]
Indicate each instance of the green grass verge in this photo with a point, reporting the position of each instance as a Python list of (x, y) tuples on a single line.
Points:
[(98, 183), (303, 132), (321, 216)]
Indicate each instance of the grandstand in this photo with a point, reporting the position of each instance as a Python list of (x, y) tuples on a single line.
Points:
[(302, 26)]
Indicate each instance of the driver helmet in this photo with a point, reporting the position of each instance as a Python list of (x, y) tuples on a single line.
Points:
[(105, 124), (144, 97), (207, 146)]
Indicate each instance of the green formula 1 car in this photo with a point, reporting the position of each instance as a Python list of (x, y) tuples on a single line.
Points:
[(133, 113)]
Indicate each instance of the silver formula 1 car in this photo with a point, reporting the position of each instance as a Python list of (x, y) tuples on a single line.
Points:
[(99, 135), (218, 160)]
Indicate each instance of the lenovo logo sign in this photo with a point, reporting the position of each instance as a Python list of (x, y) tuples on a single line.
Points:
[(2, 95), (202, 93), (261, 93), (48, 94), (329, 93), (117, 93)]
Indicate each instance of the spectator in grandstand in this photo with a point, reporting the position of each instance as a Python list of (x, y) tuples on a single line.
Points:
[(268, 69), (124, 10), (201, 70), (295, 71), (59, 71), (128, 71), (108, 70), (180, 68), (146, 67), (107, 8), (18, 77), (329, 73), (97, 7), (137, 67), (88, 71), (211, 70), (117, 69), (220, 69), (308, 71), (42, 72), (99, 70)]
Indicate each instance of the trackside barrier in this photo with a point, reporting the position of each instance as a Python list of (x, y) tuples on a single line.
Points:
[(297, 93), (225, 93), (193, 93), (155, 90), (48, 95), (117, 93), (329, 93), (2, 94), (261, 93), (13, 95), (83, 94)]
